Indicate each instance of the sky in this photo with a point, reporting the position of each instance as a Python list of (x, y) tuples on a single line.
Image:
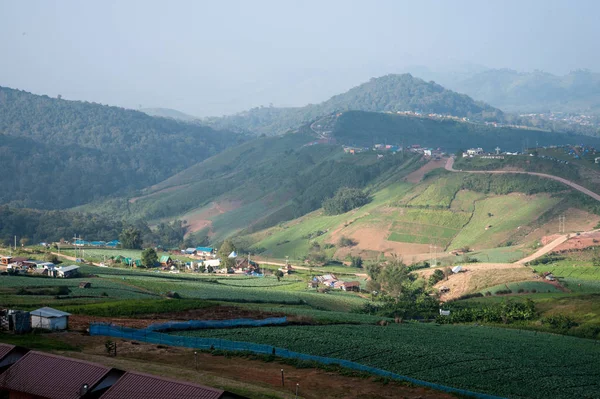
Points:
[(209, 58)]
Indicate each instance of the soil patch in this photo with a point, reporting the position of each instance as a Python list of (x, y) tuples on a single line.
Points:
[(578, 242), (82, 322), (197, 221), (418, 174), (371, 239), (237, 373)]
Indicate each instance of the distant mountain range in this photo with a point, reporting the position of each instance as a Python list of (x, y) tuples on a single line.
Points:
[(524, 92), (58, 153), (388, 93)]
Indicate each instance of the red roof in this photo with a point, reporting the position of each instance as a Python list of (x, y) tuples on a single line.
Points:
[(50, 376), (352, 284), (135, 385), (4, 349)]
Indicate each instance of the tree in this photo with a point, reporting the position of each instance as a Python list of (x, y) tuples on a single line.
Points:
[(131, 238), (344, 200), (394, 276), (24, 241), (149, 257), (316, 256), (357, 262), (224, 251)]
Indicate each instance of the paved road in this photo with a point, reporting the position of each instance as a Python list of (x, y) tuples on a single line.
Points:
[(589, 193)]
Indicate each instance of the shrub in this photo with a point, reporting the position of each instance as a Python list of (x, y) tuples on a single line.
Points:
[(559, 322), (346, 242)]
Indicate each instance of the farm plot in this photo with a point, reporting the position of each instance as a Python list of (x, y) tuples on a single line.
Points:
[(438, 194), (464, 200), (481, 359), (426, 226), (497, 218), (32, 290), (522, 287), (212, 290)]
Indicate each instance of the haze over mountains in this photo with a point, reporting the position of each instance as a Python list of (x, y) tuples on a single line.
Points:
[(388, 93), (522, 92)]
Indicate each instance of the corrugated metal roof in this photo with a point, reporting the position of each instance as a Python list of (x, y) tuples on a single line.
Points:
[(49, 312), (4, 349), (50, 376), (134, 385), (67, 268)]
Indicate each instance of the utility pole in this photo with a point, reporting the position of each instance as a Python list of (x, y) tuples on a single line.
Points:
[(561, 224)]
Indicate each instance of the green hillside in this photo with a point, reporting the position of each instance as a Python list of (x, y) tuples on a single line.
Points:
[(258, 184), (67, 153), (388, 93), (368, 128), (448, 211)]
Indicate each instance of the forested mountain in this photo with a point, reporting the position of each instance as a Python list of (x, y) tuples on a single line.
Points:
[(257, 184), (169, 113), (59, 153), (368, 128), (272, 179), (388, 93), (537, 91)]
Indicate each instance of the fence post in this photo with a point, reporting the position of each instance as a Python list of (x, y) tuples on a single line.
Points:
[(282, 380)]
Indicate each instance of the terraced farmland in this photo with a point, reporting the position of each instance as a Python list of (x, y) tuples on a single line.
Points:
[(425, 226), (439, 194), (496, 218), (481, 359)]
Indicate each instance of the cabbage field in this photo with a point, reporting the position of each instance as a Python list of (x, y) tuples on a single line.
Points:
[(510, 363)]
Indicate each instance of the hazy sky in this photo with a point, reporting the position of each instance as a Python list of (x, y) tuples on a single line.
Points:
[(221, 56)]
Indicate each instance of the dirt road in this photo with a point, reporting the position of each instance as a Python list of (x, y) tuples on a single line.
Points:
[(545, 249), (450, 164)]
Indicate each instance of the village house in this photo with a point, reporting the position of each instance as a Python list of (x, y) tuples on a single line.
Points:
[(205, 252), (67, 271), (165, 261), (49, 319)]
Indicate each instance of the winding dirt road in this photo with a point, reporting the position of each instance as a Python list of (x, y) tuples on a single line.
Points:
[(450, 167)]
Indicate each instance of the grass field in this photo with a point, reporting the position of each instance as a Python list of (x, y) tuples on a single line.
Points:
[(496, 218), (481, 359), (464, 201), (290, 238), (439, 194), (523, 287), (427, 226), (499, 255)]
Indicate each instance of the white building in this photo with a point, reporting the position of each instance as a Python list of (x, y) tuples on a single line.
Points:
[(49, 319), (474, 151)]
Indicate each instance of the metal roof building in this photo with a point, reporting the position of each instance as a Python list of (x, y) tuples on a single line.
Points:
[(49, 319), (36, 375), (135, 385), (53, 377)]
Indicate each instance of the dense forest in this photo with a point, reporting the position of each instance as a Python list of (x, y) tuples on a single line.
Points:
[(34, 226), (59, 153), (388, 93)]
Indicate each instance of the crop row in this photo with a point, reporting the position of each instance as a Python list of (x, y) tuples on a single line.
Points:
[(480, 359)]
